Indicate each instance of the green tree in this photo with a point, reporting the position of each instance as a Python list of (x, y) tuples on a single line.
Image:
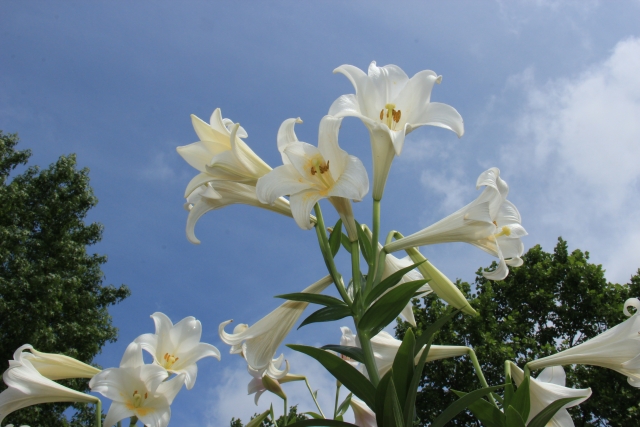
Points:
[(552, 302), (51, 293)]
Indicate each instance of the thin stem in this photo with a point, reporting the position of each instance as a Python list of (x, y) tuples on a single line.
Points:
[(355, 267), (527, 370), (313, 396), (286, 413), (483, 381), (326, 252), (335, 406), (133, 421), (99, 413), (374, 243), (369, 358)]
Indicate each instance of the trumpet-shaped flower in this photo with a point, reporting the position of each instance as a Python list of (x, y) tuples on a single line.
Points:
[(221, 154), (55, 366), (259, 342), (312, 173), (617, 348), (137, 390), (491, 223), (269, 379), (546, 389), (177, 347), (392, 265), (391, 105), (385, 347), (363, 415), (27, 386)]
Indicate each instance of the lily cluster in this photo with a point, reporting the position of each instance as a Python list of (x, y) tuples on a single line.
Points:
[(137, 390)]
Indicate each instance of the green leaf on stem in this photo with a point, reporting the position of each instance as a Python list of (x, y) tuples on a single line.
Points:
[(488, 414), (320, 299), (513, 418), (521, 401), (412, 390), (354, 353), (335, 238), (314, 415), (365, 244), (403, 366), (257, 421), (547, 413), (388, 283), (344, 406), (344, 240), (392, 416), (387, 308), (329, 423), (349, 376), (430, 331), (461, 404), (381, 394), (327, 314)]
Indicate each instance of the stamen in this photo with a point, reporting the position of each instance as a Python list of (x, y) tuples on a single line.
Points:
[(313, 170), (382, 114)]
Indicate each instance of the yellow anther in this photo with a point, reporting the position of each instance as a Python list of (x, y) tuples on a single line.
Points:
[(137, 399), (169, 360), (382, 114)]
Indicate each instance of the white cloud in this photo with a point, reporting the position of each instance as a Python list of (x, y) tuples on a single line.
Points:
[(579, 148)]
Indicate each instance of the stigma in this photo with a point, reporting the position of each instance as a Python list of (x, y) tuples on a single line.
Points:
[(137, 398), (169, 360)]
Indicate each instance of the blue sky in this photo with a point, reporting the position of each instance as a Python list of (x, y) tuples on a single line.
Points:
[(549, 91)]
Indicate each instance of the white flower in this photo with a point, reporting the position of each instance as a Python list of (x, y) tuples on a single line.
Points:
[(617, 348), (385, 347), (259, 342), (55, 366), (546, 389), (270, 378), (177, 347), (137, 390), (491, 223), (312, 173), (391, 106), (221, 154), (364, 416), (27, 386), (392, 265)]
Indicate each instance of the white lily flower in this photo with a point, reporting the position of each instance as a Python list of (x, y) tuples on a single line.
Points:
[(392, 265), (546, 389), (269, 379), (312, 173), (137, 390), (27, 386), (218, 194), (259, 342), (221, 154), (55, 366), (364, 416), (385, 347), (617, 348), (391, 105), (491, 223), (177, 347)]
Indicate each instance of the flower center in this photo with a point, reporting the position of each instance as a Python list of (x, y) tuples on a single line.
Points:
[(320, 170), (506, 231), (137, 398), (392, 116), (169, 360)]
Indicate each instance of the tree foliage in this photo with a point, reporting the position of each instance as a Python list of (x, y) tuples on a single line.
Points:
[(51, 293), (552, 302)]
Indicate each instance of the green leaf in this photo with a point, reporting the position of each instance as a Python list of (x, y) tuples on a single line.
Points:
[(392, 416), (327, 314), (521, 401), (344, 406), (508, 393), (257, 421), (329, 423), (403, 366), (513, 418), (485, 412), (381, 394), (354, 353), (312, 298), (344, 240), (388, 283), (431, 330), (314, 415), (357, 383), (547, 413), (461, 404), (387, 308), (412, 390), (365, 244), (335, 238)]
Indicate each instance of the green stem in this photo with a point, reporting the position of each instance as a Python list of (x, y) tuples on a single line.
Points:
[(483, 381), (286, 413), (369, 358), (133, 421), (326, 253), (99, 413), (313, 396), (527, 370), (507, 372), (335, 406), (356, 274), (374, 244)]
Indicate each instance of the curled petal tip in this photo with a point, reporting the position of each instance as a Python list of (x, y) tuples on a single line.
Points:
[(439, 80), (298, 120)]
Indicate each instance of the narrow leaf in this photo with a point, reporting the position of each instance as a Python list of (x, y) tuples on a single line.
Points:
[(312, 298), (329, 423), (508, 393), (327, 314), (485, 412), (388, 283), (513, 418), (344, 240), (365, 244), (461, 404), (314, 415), (403, 366), (431, 330), (357, 383), (547, 413), (354, 353), (344, 406), (335, 238), (387, 308), (381, 394), (392, 413), (257, 421), (412, 390), (521, 401)]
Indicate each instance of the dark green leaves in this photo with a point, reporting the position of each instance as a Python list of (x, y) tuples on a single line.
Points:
[(354, 353), (329, 423), (327, 314), (544, 416), (389, 283), (365, 244), (312, 298), (335, 238), (461, 404)]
